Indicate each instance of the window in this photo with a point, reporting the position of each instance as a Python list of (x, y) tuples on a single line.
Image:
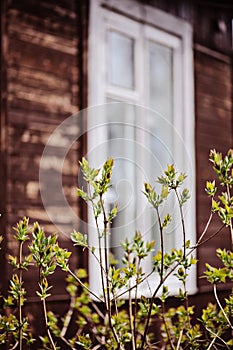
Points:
[(141, 98)]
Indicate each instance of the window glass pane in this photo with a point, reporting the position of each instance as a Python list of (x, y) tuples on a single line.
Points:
[(120, 60), (121, 147), (160, 121), (160, 75)]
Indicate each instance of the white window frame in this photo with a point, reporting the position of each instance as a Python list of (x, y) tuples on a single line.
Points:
[(107, 14)]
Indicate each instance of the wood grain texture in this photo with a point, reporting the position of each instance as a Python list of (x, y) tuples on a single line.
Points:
[(213, 88), (44, 75)]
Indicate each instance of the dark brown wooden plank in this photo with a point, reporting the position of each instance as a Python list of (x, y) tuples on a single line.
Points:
[(213, 96), (212, 25)]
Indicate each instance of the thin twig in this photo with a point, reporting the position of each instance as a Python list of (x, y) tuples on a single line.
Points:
[(20, 296), (106, 252), (205, 229), (161, 243), (182, 222), (131, 321), (215, 337), (15, 346), (83, 285), (231, 227), (184, 255), (100, 250), (97, 259), (136, 300), (179, 340), (47, 326), (68, 316), (161, 279), (212, 342), (67, 343), (108, 299), (209, 238), (97, 309), (166, 328), (220, 306)]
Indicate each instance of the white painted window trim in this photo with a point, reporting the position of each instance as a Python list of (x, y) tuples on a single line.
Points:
[(168, 28)]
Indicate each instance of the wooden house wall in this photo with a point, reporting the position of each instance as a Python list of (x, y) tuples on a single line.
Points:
[(213, 111), (213, 131), (43, 77), (42, 91)]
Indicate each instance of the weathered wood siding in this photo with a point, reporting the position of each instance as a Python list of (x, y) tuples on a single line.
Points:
[(213, 103), (213, 130), (179, 8), (44, 70)]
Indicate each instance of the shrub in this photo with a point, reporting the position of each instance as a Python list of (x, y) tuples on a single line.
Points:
[(121, 316)]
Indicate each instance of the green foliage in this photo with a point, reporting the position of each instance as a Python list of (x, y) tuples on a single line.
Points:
[(22, 230), (121, 318), (223, 167), (79, 239)]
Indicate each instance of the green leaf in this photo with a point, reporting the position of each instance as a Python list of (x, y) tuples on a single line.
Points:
[(79, 239), (84, 341), (81, 273), (215, 275), (215, 206), (166, 220), (112, 214), (184, 196), (83, 195), (211, 188), (22, 230)]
